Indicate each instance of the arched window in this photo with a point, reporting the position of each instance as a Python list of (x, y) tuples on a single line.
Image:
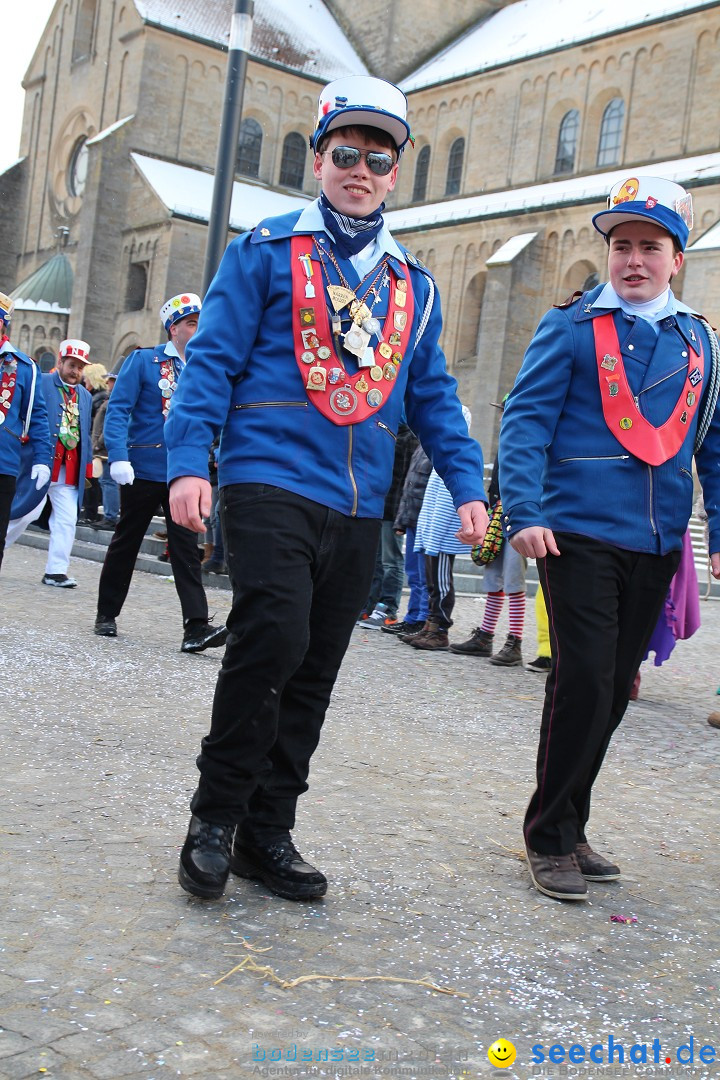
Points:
[(136, 286), (611, 131), (567, 142), (422, 168), (84, 28), (249, 147), (455, 167), (292, 164)]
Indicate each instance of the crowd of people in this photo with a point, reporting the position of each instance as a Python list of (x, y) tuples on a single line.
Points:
[(317, 424)]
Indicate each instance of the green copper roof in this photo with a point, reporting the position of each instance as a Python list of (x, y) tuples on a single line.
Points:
[(49, 288)]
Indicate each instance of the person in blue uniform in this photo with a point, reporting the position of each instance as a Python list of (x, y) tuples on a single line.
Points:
[(23, 423), (134, 431), (68, 406), (316, 330), (616, 394)]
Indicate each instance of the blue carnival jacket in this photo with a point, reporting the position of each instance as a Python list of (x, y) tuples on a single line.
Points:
[(27, 497), (38, 451), (242, 378), (134, 421), (562, 468)]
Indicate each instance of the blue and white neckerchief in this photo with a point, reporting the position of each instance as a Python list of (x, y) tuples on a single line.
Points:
[(352, 234)]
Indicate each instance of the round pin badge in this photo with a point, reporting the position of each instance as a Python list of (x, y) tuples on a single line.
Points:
[(307, 358), (374, 397), (164, 384), (166, 393), (323, 352), (343, 401)]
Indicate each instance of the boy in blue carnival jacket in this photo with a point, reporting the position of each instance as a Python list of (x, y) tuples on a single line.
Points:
[(316, 331), (617, 392)]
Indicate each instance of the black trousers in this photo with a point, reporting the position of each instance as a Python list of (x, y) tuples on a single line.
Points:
[(7, 492), (441, 589), (138, 503), (300, 574), (603, 603)]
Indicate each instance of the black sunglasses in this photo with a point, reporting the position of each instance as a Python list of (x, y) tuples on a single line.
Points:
[(347, 157)]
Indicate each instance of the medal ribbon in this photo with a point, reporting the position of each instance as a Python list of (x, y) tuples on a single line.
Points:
[(653, 445), (343, 402), (69, 433), (7, 386)]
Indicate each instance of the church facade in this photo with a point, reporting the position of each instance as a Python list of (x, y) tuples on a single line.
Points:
[(523, 116)]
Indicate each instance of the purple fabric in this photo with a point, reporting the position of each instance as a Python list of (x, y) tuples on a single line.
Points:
[(681, 615)]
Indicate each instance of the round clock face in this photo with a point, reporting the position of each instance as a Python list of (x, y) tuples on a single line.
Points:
[(77, 170)]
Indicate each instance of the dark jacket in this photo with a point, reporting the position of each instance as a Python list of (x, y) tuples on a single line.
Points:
[(405, 445), (413, 490)]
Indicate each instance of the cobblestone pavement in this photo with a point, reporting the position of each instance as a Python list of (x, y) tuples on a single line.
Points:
[(109, 970)]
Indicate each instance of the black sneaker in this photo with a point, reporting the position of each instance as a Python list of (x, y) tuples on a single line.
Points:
[(280, 866), (403, 627), (200, 635), (59, 581), (214, 568), (540, 663), (205, 858), (105, 626), (103, 525)]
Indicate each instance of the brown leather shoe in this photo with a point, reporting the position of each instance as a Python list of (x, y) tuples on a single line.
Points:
[(558, 876), (594, 867), (430, 640)]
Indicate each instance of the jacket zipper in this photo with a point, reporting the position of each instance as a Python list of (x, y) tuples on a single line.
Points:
[(595, 457), (271, 404), (353, 512), (145, 446), (386, 428), (652, 488), (664, 379)]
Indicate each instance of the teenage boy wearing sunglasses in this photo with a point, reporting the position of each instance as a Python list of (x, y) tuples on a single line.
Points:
[(317, 333)]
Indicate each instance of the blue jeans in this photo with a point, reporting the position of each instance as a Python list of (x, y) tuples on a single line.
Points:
[(110, 494), (388, 578), (417, 609)]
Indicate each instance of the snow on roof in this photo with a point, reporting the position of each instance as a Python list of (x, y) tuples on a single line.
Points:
[(578, 189), (298, 34), (188, 193), (533, 27), (511, 249), (709, 242), (110, 130), (41, 305)]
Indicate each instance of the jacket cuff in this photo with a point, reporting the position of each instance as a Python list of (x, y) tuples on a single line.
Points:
[(194, 463)]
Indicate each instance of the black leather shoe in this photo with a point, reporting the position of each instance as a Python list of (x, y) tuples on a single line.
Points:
[(105, 626), (280, 866), (205, 858), (203, 636)]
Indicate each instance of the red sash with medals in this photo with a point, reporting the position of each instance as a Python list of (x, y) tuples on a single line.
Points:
[(653, 445), (341, 397)]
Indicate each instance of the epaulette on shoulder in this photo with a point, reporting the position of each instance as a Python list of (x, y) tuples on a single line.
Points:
[(703, 318), (414, 261), (572, 299)]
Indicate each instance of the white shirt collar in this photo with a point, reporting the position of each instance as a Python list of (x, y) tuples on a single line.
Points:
[(170, 350)]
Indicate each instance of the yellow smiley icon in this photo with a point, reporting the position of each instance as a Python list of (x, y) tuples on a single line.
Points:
[(502, 1053)]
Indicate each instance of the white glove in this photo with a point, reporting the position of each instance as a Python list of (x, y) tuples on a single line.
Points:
[(40, 474), (122, 472)]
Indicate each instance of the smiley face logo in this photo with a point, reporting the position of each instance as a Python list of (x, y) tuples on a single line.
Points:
[(502, 1053)]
